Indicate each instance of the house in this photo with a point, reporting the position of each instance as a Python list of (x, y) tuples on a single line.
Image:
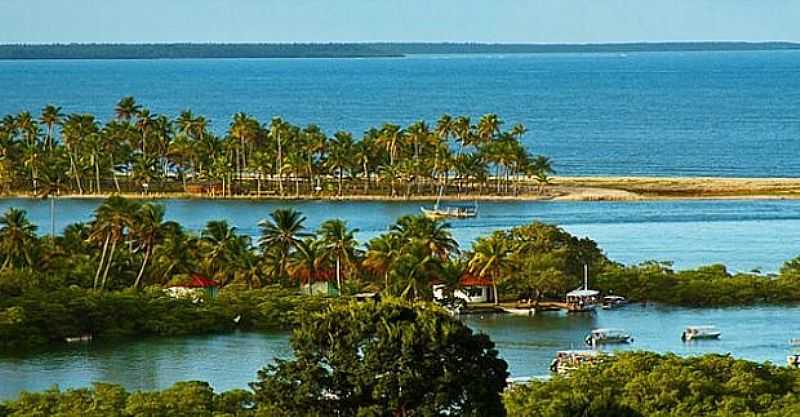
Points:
[(195, 287), (471, 289), (318, 283)]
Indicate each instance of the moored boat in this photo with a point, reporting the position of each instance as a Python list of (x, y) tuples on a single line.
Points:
[(583, 299), (519, 311), (608, 336), (611, 302), (700, 333), (793, 360), (570, 360), (449, 212)]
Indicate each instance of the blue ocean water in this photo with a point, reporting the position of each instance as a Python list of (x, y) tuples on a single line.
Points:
[(675, 113)]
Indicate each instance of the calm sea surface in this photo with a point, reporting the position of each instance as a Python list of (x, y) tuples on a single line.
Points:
[(677, 113), (716, 114)]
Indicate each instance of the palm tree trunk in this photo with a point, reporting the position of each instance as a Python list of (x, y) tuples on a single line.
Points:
[(141, 270), (102, 261), (280, 165), (97, 175), (338, 275), (108, 265), (113, 174)]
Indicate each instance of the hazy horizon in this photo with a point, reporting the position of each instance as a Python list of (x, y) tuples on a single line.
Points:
[(353, 21)]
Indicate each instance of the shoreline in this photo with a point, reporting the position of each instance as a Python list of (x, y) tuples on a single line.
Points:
[(563, 188)]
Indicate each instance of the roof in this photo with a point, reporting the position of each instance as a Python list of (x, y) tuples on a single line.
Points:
[(198, 281), (582, 293), (469, 280)]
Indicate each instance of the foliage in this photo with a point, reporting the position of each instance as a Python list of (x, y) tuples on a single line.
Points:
[(385, 359), (652, 385), (139, 151)]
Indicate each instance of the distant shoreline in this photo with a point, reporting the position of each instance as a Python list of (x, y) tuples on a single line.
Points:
[(353, 50), (593, 188)]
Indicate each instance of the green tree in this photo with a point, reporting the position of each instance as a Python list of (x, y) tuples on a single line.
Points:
[(389, 359), (282, 233), (18, 239)]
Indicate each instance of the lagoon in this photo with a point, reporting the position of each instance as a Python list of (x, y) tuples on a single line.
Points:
[(528, 344)]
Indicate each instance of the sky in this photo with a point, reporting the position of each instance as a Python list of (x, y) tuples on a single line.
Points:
[(504, 21)]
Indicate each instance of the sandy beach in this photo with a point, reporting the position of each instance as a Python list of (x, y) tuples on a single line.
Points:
[(561, 189)]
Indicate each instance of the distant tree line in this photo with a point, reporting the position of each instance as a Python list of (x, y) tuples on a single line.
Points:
[(352, 50), (138, 151)]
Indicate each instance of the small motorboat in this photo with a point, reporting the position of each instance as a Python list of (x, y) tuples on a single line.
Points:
[(793, 360), (700, 333), (611, 302), (608, 336), (79, 339), (795, 342), (519, 311), (582, 300), (570, 360)]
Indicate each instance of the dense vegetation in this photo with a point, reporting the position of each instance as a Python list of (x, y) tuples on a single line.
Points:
[(105, 277), (138, 151), (349, 50), (652, 385), (374, 359)]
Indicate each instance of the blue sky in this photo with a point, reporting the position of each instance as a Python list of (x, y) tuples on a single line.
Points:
[(540, 21)]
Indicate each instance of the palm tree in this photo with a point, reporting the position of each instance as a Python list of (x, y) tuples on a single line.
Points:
[(382, 252), (51, 116), (341, 156), (216, 244), (144, 121), (415, 268), (76, 129), (491, 258), (17, 239), (127, 108), (112, 219), (488, 126), (309, 263), (432, 234), (148, 230), (341, 244), (277, 130), (389, 137), (282, 233)]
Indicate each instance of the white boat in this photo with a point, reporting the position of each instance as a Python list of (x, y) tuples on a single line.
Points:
[(793, 360), (582, 299), (79, 339), (519, 311), (570, 360), (611, 302), (449, 212), (795, 342), (700, 332), (608, 336)]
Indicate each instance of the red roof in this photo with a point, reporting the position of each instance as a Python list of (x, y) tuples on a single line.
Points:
[(198, 281), (469, 280)]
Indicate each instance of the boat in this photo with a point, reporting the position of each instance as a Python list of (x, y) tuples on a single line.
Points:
[(79, 339), (699, 333), (793, 360), (449, 212), (582, 299), (519, 311), (570, 360), (795, 342), (611, 302), (608, 336)]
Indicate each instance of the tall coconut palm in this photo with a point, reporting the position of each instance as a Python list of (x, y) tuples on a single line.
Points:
[(309, 263), (341, 155), (341, 244), (127, 108), (17, 239), (148, 230), (382, 252), (216, 244), (51, 116), (414, 270), (488, 127), (112, 220), (491, 258), (433, 234), (144, 122), (277, 131), (77, 128), (390, 136), (282, 233)]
